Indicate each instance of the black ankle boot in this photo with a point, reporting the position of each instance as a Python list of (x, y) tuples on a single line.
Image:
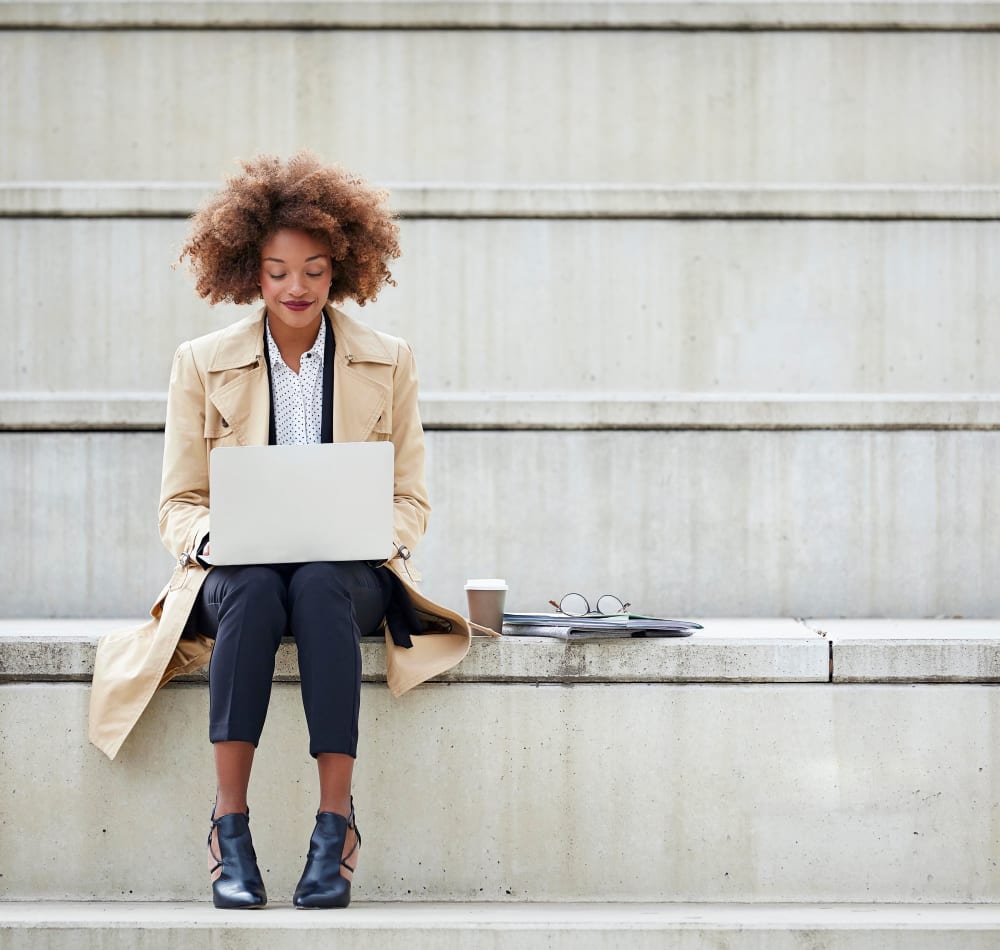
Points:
[(239, 885), (322, 884)]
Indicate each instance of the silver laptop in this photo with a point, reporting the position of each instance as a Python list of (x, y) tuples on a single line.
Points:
[(282, 504)]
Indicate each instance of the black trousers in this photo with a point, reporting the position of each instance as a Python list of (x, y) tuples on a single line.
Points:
[(327, 607)]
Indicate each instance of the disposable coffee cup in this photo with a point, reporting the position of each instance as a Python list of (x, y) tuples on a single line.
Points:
[(486, 596)]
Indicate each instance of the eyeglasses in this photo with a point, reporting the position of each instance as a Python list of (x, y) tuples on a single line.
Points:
[(576, 605)]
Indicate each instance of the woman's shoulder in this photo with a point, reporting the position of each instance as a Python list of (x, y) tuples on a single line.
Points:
[(233, 345), (363, 341)]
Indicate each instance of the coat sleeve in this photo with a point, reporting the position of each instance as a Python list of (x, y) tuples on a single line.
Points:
[(411, 508), (184, 483)]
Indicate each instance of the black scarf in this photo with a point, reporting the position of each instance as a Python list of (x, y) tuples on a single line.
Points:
[(326, 423)]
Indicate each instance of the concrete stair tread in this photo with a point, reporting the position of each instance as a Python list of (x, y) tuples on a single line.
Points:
[(460, 926), (125, 410), (617, 915), (929, 650), (854, 630), (389, 14), (649, 200), (479, 915), (836, 630), (727, 650)]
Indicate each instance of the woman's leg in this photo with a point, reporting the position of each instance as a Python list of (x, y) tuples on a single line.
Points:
[(336, 771), (233, 761), (243, 609), (335, 774), (331, 606)]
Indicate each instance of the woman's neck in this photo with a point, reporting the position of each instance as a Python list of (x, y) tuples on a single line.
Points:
[(292, 342)]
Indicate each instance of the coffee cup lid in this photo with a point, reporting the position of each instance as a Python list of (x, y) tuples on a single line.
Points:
[(486, 583)]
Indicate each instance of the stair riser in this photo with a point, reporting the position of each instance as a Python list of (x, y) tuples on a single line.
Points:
[(507, 105), (913, 317), (507, 792), (744, 523), (441, 938)]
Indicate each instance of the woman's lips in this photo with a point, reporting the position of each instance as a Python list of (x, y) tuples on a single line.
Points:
[(297, 304)]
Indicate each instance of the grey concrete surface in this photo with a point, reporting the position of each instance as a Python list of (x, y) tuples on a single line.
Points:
[(727, 650), (514, 792), (695, 106), (690, 306), (157, 199), (624, 14), (575, 411), (693, 411), (813, 523), (471, 926), (913, 651), (745, 650)]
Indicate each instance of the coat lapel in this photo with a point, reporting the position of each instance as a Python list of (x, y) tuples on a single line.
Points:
[(362, 378), (237, 381), (244, 402), (361, 386)]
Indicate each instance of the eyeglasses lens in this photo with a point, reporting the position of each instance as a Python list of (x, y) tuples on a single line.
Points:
[(609, 604), (574, 605)]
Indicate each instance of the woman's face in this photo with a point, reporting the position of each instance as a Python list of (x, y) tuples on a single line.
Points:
[(295, 276)]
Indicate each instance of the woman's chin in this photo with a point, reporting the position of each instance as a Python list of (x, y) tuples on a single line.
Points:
[(295, 319)]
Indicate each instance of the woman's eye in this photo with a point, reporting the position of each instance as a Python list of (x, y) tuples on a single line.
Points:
[(320, 274), (276, 276)]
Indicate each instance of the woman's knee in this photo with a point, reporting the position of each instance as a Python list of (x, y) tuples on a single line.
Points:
[(256, 591), (329, 577)]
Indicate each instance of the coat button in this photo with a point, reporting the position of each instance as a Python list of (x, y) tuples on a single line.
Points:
[(184, 559)]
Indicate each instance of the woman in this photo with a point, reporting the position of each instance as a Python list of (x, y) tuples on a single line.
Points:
[(298, 235)]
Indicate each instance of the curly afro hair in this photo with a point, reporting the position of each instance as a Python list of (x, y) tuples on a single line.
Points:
[(303, 194)]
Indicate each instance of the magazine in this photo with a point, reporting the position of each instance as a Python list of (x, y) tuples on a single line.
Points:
[(596, 627)]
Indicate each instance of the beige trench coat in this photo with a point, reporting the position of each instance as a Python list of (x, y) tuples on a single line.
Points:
[(219, 396)]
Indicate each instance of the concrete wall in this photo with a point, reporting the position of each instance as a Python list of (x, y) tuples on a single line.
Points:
[(759, 792), (502, 105), (751, 281), (714, 523), (597, 306)]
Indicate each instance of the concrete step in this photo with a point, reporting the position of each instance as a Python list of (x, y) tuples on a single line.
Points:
[(525, 14), (711, 305), (743, 650), (510, 105), (123, 411), (469, 926), (684, 770), (483, 199), (912, 651), (728, 650), (690, 522)]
